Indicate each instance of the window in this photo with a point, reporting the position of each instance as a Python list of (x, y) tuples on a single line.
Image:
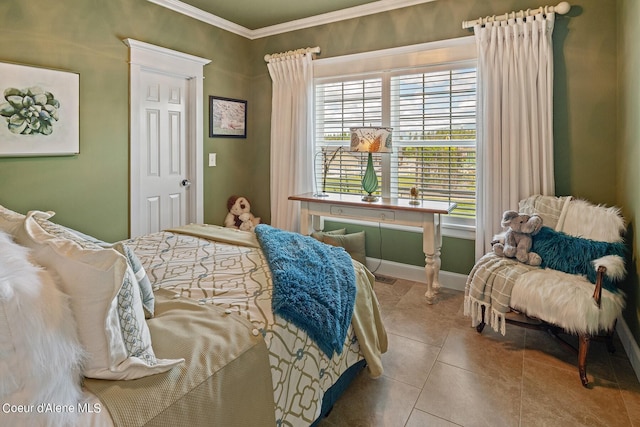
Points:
[(432, 111), (433, 115), (340, 106)]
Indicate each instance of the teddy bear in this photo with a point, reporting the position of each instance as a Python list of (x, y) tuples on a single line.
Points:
[(516, 241), (240, 216)]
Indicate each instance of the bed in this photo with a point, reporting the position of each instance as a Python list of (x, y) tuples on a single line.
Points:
[(221, 354)]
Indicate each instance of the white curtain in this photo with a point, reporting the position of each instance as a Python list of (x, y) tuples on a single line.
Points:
[(515, 118), (291, 136)]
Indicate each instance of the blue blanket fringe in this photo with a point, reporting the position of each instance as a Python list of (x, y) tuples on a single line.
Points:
[(313, 285)]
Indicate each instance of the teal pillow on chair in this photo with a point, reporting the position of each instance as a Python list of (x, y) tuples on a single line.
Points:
[(573, 255)]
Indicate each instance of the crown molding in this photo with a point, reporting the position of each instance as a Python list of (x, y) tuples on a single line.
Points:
[(298, 24), (201, 15)]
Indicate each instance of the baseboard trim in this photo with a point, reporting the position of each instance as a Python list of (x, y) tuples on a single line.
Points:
[(414, 273), (630, 345)]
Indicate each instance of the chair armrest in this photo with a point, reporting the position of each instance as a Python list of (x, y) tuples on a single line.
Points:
[(597, 293), (613, 267)]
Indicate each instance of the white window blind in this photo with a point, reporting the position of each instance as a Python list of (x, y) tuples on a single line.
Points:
[(433, 115), (340, 106)]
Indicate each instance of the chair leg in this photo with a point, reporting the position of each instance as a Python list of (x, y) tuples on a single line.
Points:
[(480, 326), (583, 349)]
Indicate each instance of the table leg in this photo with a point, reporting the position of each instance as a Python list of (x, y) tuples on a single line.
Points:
[(304, 218), (431, 244), (432, 268), (308, 220), (317, 222)]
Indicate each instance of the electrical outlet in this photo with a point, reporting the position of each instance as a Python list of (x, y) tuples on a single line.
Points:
[(212, 159)]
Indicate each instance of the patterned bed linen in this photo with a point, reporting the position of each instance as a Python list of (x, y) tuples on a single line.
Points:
[(238, 279)]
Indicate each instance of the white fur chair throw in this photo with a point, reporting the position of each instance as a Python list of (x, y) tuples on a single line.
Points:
[(40, 355), (551, 295), (565, 299)]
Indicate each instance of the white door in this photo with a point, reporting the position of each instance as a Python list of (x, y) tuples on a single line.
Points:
[(166, 138), (164, 176)]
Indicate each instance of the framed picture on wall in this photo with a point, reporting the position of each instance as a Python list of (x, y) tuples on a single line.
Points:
[(39, 111), (227, 117)]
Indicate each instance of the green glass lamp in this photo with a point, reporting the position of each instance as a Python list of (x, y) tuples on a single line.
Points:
[(370, 140)]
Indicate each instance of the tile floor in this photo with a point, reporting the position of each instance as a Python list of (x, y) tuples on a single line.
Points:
[(440, 372)]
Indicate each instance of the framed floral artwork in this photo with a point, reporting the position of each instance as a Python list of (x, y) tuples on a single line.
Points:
[(227, 117), (39, 111)]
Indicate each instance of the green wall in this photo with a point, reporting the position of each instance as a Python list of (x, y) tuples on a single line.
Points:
[(405, 247), (584, 111), (90, 191), (629, 141)]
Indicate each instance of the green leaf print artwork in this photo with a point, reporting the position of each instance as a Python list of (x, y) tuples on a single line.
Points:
[(29, 111)]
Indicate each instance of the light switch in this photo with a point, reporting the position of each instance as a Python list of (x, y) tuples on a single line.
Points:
[(212, 159)]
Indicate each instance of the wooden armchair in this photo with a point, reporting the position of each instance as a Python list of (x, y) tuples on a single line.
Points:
[(581, 299)]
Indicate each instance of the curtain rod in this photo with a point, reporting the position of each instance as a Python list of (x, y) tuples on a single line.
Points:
[(268, 58), (561, 8)]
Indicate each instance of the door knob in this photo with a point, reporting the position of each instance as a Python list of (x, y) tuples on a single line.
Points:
[(185, 183)]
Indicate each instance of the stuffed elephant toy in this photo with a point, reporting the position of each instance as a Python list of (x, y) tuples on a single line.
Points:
[(517, 239)]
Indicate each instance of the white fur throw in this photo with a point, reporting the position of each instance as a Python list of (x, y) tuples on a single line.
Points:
[(595, 222), (40, 355), (566, 300)]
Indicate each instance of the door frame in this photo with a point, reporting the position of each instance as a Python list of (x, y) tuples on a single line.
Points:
[(148, 57)]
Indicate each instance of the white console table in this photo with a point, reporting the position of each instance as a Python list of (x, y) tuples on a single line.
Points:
[(425, 215)]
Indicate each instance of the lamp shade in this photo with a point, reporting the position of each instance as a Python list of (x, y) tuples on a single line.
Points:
[(371, 139)]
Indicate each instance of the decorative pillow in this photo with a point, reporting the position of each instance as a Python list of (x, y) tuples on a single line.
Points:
[(109, 314), (62, 232), (574, 255), (319, 235), (142, 280), (353, 243), (89, 242), (40, 354), (10, 221)]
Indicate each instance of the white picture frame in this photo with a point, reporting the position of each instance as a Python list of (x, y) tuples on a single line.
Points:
[(39, 111)]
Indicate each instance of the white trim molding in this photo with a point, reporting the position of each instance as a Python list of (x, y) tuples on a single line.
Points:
[(206, 17), (630, 345), (448, 279), (166, 60), (145, 56), (298, 24), (461, 49)]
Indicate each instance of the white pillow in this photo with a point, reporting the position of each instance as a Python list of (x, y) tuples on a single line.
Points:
[(10, 221), (109, 314), (90, 242), (40, 354)]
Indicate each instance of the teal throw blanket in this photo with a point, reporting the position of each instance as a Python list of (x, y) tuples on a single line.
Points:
[(573, 255), (313, 285)]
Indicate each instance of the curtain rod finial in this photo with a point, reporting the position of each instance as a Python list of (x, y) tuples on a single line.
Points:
[(562, 7)]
